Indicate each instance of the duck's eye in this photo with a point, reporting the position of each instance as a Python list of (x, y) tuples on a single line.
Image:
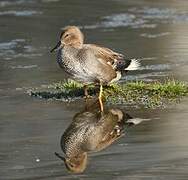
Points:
[(66, 35)]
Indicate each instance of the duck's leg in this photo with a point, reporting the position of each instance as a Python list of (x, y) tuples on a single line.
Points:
[(100, 98), (85, 91)]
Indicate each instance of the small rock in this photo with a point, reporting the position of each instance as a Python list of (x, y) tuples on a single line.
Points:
[(37, 160)]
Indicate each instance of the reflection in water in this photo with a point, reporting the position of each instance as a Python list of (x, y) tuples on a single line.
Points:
[(92, 130)]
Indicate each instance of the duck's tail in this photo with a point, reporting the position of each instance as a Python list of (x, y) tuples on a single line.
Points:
[(130, 121), (127, 64), (134, 64)]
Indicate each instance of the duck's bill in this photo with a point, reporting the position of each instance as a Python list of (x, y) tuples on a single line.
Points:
[(57, 47), (59, 156)]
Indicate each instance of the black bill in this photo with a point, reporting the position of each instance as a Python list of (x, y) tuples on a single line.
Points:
[(58, 46)]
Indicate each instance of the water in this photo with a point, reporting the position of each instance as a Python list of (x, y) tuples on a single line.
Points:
[(30, 129)]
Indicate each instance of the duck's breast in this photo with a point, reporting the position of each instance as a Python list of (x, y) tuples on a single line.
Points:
[(70, 61)]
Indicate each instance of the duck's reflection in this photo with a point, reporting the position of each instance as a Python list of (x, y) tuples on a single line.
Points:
[(91, 131)]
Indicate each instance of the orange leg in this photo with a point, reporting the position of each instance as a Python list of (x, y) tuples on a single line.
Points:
[(100, 99)]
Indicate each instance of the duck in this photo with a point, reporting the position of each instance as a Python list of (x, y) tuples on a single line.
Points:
[(90, 63), (90, 131)]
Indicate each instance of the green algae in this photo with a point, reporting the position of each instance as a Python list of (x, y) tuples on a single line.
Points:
[(139, 93)]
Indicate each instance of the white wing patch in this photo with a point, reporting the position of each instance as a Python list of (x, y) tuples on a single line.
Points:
[(117, 78)]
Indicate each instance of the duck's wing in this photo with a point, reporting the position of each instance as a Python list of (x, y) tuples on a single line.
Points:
[(112, 129), (104, 54), (116, 60), (105, 131)]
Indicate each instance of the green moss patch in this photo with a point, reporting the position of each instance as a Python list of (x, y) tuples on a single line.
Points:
[(150, 95)]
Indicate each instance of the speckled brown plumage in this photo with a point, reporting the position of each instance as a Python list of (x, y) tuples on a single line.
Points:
[(90, 131), (90, 63)]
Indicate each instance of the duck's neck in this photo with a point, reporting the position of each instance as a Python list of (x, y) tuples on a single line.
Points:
[(66, 56), (76, 45)]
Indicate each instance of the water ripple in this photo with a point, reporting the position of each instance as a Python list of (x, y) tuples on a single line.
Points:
[(145, 17), (24, 67), (149, 77), (19, 2), (161, 67), (17, 48), (121, 20), (10, 3), (19, 13), (154, 35)]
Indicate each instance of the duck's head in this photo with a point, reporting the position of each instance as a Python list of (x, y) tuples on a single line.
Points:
[(71, 36), (76, 164)]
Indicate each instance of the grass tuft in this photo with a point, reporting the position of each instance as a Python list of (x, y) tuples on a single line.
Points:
[(139, 93)]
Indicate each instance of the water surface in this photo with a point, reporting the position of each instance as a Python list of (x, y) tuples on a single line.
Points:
[(30, 129)]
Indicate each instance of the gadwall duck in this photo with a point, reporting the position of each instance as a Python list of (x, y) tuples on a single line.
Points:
[(90, 131), (90, 63)]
